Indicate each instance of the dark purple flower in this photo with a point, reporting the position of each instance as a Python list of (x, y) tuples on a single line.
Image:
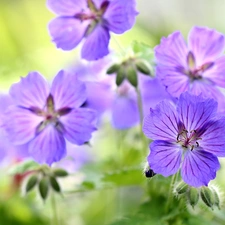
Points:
[(44, 117), (92, 20), (189, 137), (198, 66)]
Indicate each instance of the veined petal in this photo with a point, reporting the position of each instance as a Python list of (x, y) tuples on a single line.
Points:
[(98, 3), (172, 51), (125, 112), (213, 138), (67, 91), (120, 15), (67, 32), (96, 44), (67, 7), (30, 91), (162, 123), (195, 111), (78, 125), (48, 147), (21, 124), (199, 167), (206, 44), (165, 157)]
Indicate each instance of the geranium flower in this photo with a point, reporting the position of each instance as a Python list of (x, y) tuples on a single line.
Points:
[(190, 137), (92, 20), (44, 117)]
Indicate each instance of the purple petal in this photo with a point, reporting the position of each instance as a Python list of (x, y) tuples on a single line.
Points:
[(78, 125), (216, 73), (125, 112), (21, 124), (172, 51), (48, 147), (67, 91), (67, 32), (32, 90), (161, 123), (165, 157), (120, 15), (195, 111), (98, 3), (68, 7), (213, 138), (199, 167), (96, 44), (206, 44)]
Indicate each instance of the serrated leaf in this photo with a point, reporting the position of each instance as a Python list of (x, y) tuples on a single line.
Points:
[(32, 181), (54, 184), (23, 167), (60, 172), (44, 187)]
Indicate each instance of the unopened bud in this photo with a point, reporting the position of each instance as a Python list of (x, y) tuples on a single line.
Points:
[(113, 69), (181, 188), (207, 196), (32, 181), (121, 74), (44, 187), (193, 196), (143, 67), (132, 76), (216, 197), (60, 173), (54, 184)]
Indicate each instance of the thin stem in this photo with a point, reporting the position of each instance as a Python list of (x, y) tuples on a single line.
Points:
[(170, 197), (141, 115), (55, 220)]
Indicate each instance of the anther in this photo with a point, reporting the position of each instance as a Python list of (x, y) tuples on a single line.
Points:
[(197, 144)]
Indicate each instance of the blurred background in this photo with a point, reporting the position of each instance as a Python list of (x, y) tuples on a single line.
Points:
[(25, 45)]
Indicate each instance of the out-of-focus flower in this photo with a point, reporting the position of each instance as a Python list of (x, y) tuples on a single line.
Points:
[(92, 20), (198, 67), (189, 136), (44, 117)]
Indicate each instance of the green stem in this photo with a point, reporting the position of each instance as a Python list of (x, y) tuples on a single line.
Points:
[(141, 114), (55, 219), (170, 197)]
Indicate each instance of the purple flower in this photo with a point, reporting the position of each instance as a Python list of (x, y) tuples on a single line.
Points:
[(91, 20), (44, 117), (190, 137), (198, 67)]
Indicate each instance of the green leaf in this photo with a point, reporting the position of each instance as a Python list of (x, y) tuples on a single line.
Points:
[(60, 172), (54, 184), (89, 185), (32, 181), (44, 187), (143, 51), (23, 167)]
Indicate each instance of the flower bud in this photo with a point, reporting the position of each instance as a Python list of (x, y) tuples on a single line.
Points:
[(32, 181), (60, 173), (207, 196), (132, 75), (113, 69), (54, 184), (44, 187), (193, 196), (216, 197), (181, 188), (121, 75), (143, 67)]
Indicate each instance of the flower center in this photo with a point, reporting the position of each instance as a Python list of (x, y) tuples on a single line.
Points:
[(50, 115), (188, 140), (195, 72)]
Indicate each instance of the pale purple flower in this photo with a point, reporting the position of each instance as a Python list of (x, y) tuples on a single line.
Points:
[(198, 66), (189, 137), (91, 20), (44, 117)]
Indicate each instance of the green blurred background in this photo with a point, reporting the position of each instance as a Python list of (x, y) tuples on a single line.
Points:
[(26, 46)]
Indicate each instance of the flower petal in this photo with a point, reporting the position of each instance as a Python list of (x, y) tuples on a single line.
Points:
[(21, 124), (172, 51), (120, 15), (67, 91), (213, 138), (68, 7), (199, 167), (48, 147), (195, 111), (96, 44), (161, 123), (206, 44), (30, 91), (67, 32), (125, 112), (165, 157), (78, 125)]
